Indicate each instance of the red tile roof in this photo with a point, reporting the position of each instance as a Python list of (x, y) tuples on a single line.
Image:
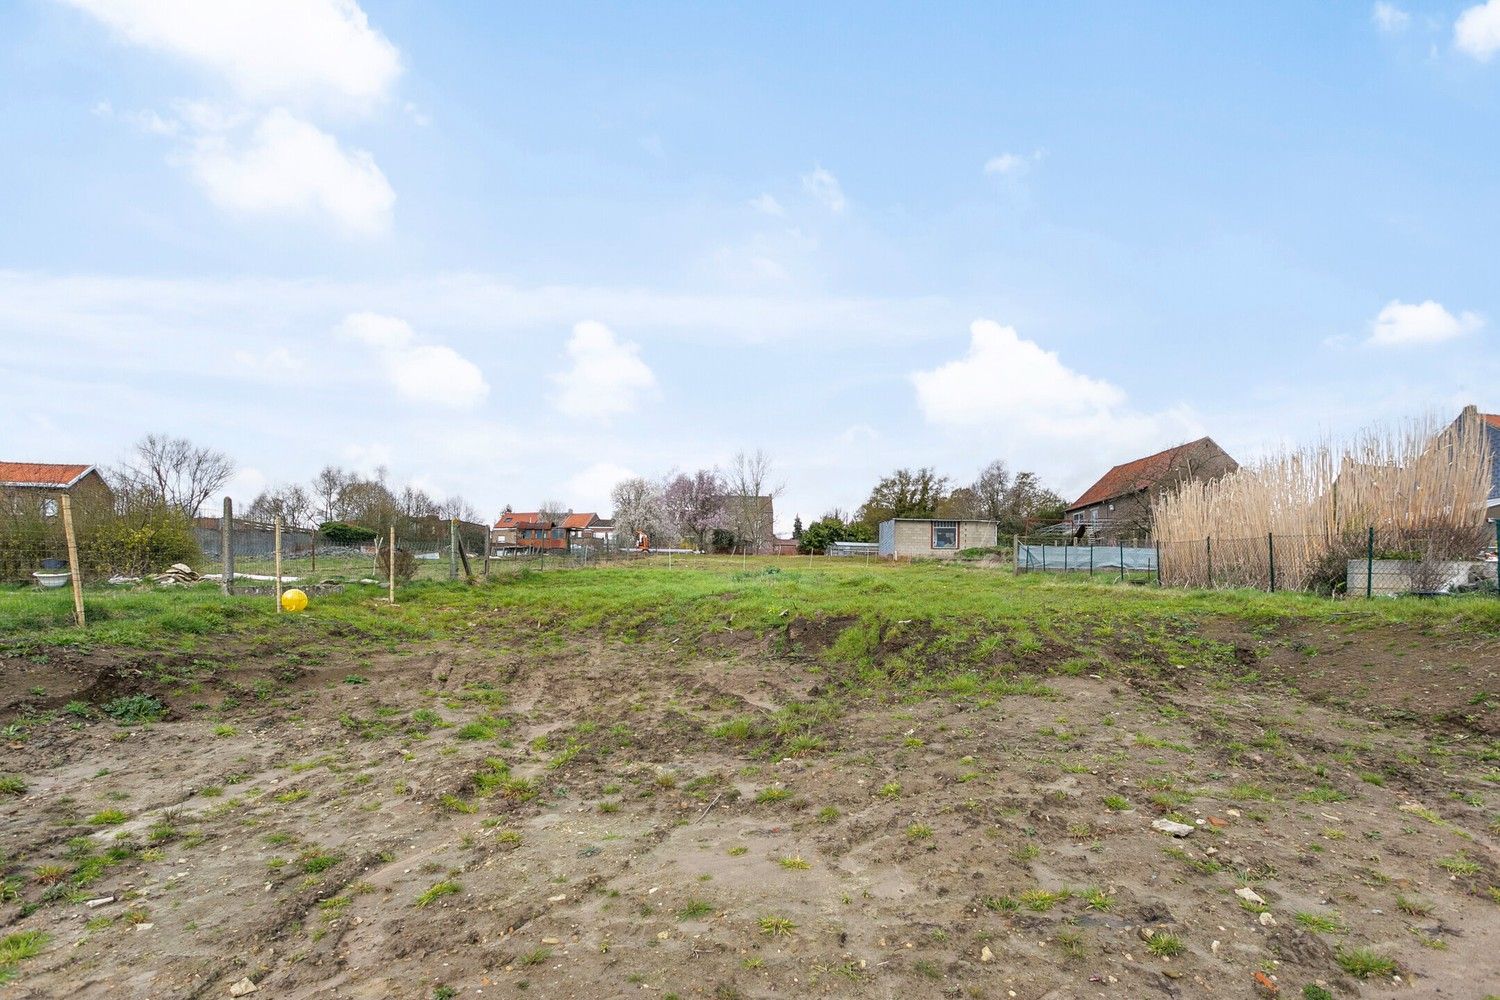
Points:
[(1132, 476), (577, 521), (41, 474), (514, 517), (1493, 419)]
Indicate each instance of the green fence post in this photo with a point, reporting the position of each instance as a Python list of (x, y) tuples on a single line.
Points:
[(1091, 560), (1209, 545), (1497, 556), (1370, 565), (1271, 552), (1158, 564), (1122, 562)]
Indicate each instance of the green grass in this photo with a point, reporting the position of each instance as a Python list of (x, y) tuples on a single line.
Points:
[(1362, 963), (1165, 945), (17, 948), (972, 605), (438, 891)]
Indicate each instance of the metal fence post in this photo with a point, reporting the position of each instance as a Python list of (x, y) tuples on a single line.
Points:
[(1271, 554), (226, 547), (1370, 565), (278, 563), (1158, 564), (1497, 556), (1209, 545), (391, 564), (1122, 562)]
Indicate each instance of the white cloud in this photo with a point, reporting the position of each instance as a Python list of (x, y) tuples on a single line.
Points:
[(1389, 18), (1004, 376), (267, 49), (606, 375), (288, 166), (589, 489), (1022, 399), (825, 187), (1403, 323), (1477, 30), (767, 205), (423, 373), (277, 361), (1012, 164)]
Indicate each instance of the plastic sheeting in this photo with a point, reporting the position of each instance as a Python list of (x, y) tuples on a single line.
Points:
[(1083, 558)]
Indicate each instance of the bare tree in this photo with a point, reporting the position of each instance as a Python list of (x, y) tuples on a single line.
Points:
[(327, 486), (176, 472), (695, 503), (290, 500), (992, 491), (415, 503), (750, 496), (552, 510), (457, 507)]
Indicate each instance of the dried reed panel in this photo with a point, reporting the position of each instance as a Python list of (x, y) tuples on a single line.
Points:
[(1421, 486)]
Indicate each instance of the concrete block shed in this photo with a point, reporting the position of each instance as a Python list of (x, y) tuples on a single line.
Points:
[(934, 538)]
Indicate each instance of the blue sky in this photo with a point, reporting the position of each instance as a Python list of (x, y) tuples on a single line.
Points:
[(521, 253)]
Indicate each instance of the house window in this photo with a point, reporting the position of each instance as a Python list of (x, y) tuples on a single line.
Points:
[(49, 507), (945, 534), (1094, 514), (1078, 517)]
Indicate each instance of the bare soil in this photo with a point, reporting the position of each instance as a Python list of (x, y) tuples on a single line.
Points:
[(284, 819)]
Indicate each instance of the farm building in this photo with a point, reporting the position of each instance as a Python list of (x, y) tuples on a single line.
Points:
[(32, 488), (1118, 506), (909, 537)]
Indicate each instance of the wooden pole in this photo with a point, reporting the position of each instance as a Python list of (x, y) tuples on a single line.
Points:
[(486, 554), (278, 563), (391, 564), (453, 548), (75, 571), (226, 547)]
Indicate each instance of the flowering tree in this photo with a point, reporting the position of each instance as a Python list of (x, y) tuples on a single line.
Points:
[(694, 503)]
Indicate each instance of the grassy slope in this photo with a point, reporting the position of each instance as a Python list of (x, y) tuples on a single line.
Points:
[(956, 605)]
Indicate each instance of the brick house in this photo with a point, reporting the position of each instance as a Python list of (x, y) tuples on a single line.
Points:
[(33, 488), (1118, 506), (526, 531)]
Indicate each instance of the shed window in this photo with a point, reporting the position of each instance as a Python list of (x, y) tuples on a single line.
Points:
[(945, 534), (49, 507)]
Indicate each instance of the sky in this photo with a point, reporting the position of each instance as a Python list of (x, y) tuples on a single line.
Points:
[(520, 252)]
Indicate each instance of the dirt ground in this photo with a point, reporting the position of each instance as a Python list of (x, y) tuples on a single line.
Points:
[(569, 816)]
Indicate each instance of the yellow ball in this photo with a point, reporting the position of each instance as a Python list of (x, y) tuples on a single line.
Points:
[(294, 600)]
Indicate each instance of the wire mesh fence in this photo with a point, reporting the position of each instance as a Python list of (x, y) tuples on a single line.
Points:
[(1369, 563)]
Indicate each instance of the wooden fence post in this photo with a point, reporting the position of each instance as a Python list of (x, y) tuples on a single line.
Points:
[(226, 547), (486, 554), (391, 564), (75, 571), (278, 563), (453, 548)]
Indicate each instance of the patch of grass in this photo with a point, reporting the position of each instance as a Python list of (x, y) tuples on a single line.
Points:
[(535, 957), (438, 891), (1312, 991), (1116, 803), (919, 831), (694, 908), (1321, 923), (1165, 945), (774, 926), (1362, 963), (795, 863), (1413, 907), (316, 862), (773, 794), (889, 790), (12, 784), (1041, 900), (1459, 864), (17, 948), (108, 817)]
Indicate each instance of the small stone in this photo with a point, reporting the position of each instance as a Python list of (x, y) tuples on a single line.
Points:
[(663, 935), (102, 901), (985, 955), (1171, 826), (1249, 895), (1214, 947), (1217, 823), (1266, 920), (550, 899), (245, 987), (550, 941)]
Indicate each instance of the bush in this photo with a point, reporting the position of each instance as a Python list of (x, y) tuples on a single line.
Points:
[(342, 533), (142, 539)]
